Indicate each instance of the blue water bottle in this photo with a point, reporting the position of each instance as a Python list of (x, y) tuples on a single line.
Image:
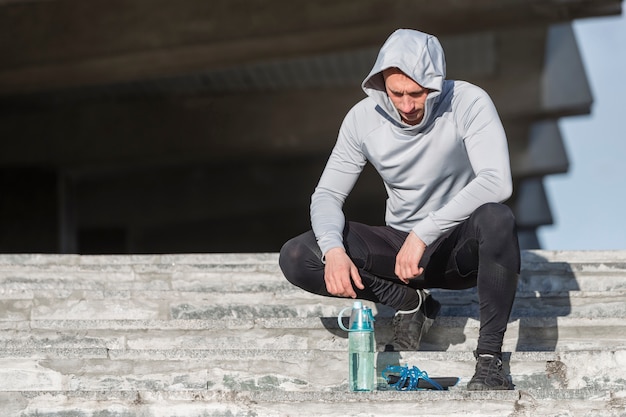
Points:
[(361, 347)]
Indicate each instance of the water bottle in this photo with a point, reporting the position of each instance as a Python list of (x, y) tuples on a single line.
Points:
[(361, 347)]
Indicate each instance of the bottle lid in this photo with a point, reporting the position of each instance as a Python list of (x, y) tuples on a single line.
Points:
[(362, 319)]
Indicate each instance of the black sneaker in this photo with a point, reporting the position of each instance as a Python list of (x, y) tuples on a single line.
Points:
[(410, 326), (489, 374)]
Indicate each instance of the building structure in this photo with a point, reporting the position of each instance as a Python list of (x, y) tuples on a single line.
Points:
[(151, 126)]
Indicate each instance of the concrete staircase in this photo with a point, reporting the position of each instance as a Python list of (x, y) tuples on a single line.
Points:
[(226, 335)]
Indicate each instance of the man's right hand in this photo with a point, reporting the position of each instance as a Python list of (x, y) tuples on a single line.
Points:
[(339, 272)]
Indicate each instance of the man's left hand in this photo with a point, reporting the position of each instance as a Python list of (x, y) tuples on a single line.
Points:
[(408, 258)]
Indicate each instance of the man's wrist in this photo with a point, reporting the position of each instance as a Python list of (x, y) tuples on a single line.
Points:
[(332, 251), (418, 240)]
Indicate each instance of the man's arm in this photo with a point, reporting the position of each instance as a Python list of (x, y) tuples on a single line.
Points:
[(327, 219), (487, 149)]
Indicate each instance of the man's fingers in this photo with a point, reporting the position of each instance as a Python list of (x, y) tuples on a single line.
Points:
[(409, 257), (408, 271), (339, 274), (347, 290), (357, 279), (340, 286), (330, 287)]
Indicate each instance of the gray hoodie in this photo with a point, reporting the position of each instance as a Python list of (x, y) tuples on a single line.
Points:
[(437, 172)]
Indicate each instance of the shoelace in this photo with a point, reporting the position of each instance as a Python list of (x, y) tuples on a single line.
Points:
[(408, 378), (489, 362)]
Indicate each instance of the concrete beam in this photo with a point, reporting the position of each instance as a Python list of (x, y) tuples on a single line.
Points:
[(539, 74), (564, 84), (65, 43), (531, 206), (132, 133), (542, 154)]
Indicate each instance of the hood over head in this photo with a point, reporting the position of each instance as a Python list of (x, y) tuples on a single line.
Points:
[(418, 55)]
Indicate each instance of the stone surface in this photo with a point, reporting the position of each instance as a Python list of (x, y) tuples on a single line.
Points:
[(224, 335)]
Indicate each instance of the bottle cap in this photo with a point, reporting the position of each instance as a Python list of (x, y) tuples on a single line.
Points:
[(362, 318)]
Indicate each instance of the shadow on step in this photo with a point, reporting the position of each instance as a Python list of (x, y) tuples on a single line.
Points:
[(544, 296), (330, 324)]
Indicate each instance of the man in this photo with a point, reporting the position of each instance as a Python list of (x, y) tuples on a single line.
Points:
[(442, 154)]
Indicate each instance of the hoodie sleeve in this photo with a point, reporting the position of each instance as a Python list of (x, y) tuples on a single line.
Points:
[(342, 170), (485, 141)]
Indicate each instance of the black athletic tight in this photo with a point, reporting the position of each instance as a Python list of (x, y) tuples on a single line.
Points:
[(482, 251)]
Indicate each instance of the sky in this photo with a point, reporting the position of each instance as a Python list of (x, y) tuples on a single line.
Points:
[(588, 203)]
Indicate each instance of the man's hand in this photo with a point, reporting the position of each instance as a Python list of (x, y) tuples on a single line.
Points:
[(339, 272), (408, 258)]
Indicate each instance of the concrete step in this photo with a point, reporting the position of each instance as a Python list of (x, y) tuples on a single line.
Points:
[(201, 403), (226, 335), (99, 369), (162, 305), (447, 334), (542, 272), (222, 285)]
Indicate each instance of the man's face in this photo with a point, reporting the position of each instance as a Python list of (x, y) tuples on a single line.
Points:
[(406, 95)]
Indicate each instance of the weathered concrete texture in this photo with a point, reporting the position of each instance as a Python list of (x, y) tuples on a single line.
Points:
[(282, 370), (224, 335), (248, 404)]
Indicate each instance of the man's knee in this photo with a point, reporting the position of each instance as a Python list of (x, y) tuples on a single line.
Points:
[(497, 232), (301, 263), (288, 259), (297, 257), (494, 216)]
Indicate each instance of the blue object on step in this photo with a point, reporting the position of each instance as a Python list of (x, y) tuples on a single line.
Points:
[(408, 379)]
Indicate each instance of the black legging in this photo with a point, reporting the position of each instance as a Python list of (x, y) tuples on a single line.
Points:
[(482, 251)]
